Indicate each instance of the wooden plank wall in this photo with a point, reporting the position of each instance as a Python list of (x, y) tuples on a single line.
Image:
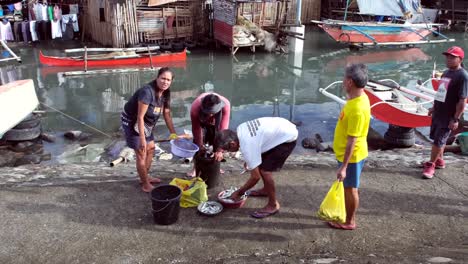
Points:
[(119, 28), (310, 10), (169, 21)]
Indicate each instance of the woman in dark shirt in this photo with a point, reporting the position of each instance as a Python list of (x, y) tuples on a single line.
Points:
[(139, 117)]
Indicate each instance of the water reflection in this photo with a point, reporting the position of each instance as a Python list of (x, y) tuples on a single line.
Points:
[(260, 84)]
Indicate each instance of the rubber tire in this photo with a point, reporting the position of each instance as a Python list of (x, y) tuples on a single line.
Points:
[(177, 45), (400, 129), (22, 134), (393, 134), (190, 44), (32, 123), (399, 142)]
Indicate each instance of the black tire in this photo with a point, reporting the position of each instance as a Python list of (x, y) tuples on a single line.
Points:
[(30, 121), (190, 44), (393, 134), (22, 134), (399, 142), (400, 129), (165, 46), (177, 45)]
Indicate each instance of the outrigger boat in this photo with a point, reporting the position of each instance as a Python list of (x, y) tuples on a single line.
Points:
[(392, 104), (361, 34), (114, 57), (17, 100)]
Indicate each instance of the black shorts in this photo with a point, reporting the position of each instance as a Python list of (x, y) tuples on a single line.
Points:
[(439, 134), (274, 159)]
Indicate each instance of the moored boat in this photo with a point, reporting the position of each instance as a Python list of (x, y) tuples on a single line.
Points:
[(392, 104), (17, 100), (372, 33), (113, 59)]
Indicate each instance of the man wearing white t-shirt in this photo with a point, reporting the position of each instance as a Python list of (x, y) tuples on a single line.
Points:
[(265, 144)]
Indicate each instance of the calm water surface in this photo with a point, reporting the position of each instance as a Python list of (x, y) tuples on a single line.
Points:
[(257, 85)]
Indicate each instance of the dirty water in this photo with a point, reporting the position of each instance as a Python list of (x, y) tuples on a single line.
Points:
[(257, 85)]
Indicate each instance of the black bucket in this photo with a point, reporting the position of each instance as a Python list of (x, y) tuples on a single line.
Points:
[(166, 204), (207, 169)]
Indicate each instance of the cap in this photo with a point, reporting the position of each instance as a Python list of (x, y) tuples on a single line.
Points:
[(455, 51)]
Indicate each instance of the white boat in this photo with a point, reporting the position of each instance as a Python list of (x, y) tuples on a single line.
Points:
[(17, 100)]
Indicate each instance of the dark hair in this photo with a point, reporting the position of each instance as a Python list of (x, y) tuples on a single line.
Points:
[(223, 138), (163, 70), (358, 73), (210, 100)]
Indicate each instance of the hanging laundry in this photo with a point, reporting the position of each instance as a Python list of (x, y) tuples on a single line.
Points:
[(37, 9), (50, 11), (57, 12), (5, 30), (32, 28), (18, 6), (26, 31), (17, 31), (74, 9), (1, 11), (67, 18), (31, 14), (44, 12), (11, 8), (56, 29)]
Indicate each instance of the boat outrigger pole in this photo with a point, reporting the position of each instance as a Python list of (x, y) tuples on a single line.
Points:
[(346, 10)]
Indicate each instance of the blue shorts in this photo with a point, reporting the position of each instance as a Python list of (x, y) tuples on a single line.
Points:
[(132, 137), (353, 174)]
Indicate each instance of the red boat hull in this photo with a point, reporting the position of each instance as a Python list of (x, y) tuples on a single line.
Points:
[(350, 36), (393, 115), (144, 60)]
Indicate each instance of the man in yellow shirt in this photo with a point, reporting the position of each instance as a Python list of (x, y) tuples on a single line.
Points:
[(350, 140)]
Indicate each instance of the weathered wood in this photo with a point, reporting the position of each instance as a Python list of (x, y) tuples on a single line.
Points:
[(138, 49), (107, 71)]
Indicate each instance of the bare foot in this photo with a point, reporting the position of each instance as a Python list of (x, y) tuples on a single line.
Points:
[(154, 180), (147, 187), (191, 173), (270, 209)]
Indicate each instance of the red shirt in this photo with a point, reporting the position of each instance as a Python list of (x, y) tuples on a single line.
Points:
[(195, 118)]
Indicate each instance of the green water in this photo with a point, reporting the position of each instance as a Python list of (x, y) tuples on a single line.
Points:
[(260, 84)]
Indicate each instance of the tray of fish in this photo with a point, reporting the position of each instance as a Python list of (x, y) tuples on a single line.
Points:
[(210, 208), (224, 195)]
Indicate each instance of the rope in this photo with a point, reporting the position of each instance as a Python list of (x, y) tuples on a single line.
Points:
[(74, 119)]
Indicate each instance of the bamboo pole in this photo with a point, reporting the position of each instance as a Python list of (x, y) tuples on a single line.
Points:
[(150, 57), (176, 23), (85, 59), (125, 24)]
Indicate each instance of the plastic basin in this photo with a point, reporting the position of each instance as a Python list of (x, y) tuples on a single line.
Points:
[(183, 148)]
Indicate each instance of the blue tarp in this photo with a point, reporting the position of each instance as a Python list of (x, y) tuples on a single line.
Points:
[(388, 7)]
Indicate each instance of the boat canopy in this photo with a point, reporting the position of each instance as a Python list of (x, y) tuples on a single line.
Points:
[(389, 7)]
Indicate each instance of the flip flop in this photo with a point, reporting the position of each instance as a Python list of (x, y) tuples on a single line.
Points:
[(255, 193), (260, 214), (341, 226)]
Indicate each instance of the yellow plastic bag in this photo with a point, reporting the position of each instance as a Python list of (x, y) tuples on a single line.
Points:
[(333, 205), (193, 191)]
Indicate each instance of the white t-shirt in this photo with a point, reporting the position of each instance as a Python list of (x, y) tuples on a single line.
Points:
[(260, 135)]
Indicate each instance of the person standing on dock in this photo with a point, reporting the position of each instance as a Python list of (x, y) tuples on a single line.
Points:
[(449, 104), (210, 113), (350, 140), (265, 144), (139, 117)]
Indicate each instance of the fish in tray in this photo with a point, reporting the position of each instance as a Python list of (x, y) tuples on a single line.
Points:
[(228, 192), (210, 208)]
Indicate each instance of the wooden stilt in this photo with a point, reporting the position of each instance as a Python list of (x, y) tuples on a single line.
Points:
[(85, 59), (150, 57)]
